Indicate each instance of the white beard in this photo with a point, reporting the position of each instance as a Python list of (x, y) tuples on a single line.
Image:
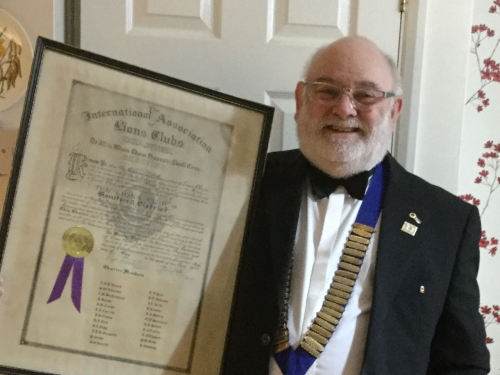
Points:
[(347, 157)]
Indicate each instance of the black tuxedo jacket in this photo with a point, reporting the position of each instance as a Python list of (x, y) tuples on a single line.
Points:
[(439, 331)]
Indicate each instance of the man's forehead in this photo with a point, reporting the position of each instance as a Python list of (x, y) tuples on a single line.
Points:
[(353, 61)]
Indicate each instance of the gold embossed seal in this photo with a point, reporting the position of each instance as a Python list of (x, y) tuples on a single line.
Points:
[(77, 242)]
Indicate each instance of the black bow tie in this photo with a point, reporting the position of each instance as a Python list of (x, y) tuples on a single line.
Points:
[(323, 185)]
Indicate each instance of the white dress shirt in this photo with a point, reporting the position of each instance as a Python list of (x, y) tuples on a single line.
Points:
[(322, 232)]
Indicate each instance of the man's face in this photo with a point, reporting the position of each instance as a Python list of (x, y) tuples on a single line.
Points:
[(339, 134)]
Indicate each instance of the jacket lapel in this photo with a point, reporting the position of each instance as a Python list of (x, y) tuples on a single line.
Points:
[(396, 248), (283, 206), (398, 251)]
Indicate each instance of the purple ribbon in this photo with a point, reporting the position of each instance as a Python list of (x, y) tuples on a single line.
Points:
[(76, 287)]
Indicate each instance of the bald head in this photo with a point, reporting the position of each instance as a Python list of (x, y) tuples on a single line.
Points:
[(353, 50)]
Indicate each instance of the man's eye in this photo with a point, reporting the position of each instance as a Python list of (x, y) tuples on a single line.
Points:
[(327, 92), (364, 94)]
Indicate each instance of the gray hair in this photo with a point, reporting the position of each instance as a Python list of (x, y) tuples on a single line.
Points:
[(396, 77)]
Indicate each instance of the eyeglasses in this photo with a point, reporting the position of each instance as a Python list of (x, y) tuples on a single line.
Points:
[(329, 94)]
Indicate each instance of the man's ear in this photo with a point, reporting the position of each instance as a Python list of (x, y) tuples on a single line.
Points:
[(299, 98), (397, 106)]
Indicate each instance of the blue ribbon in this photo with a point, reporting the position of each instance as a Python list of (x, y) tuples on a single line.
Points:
[(297, 362)]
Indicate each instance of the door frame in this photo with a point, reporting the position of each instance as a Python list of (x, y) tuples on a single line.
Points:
[(411, 57)]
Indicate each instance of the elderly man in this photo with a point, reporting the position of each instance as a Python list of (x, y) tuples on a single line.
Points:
[(355, 266)]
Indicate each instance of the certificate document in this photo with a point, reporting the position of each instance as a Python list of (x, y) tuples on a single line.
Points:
[(145, 181), (127, 258)]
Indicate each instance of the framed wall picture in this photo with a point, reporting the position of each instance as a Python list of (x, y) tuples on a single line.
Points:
[(125, 219), (16, 56)]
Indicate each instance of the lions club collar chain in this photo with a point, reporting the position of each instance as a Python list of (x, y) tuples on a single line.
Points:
[(297, 362)]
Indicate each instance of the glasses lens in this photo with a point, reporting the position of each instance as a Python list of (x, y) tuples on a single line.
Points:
[(367, 96), (326, 92)]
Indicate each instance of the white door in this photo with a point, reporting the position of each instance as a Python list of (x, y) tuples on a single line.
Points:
[(253, 49)]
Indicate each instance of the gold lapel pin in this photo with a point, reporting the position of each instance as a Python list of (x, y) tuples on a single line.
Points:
[(409, 228), (414, 217)]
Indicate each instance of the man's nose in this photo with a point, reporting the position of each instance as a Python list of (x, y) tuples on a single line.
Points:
[(344, 107)]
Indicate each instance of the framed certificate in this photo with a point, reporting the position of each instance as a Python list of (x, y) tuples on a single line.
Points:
[(124, 220)]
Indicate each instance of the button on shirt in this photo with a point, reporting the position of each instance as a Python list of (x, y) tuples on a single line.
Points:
[(322, 232)]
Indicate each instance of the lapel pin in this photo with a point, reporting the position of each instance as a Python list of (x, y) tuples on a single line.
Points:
[(414, 217), (422, 289), (409, 228)]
